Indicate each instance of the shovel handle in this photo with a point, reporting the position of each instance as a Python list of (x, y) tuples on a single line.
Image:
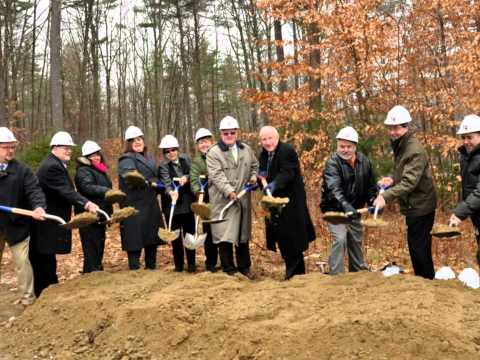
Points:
[(265, 184), (200, 197), (104, 214), (29, 213), (375, 213), (360, 211)]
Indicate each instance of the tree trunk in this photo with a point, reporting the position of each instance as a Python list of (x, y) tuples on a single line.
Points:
[(56, 96)]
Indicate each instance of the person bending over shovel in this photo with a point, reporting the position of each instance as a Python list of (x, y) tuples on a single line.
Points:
[(18, 188), (348, 184), (176, 166), (231, 164), (412, 186), (49, 239), (470, 171), (204, 140), (289, 227)]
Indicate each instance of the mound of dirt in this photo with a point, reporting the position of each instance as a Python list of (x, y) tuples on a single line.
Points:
[(165, 315)]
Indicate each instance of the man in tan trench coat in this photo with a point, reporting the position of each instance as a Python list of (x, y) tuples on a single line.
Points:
[(231, 164)]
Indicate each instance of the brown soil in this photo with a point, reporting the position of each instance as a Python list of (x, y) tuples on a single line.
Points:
[(165, 315)]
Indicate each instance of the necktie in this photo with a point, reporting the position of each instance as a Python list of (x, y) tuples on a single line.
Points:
[(234, 154), (269, 162)]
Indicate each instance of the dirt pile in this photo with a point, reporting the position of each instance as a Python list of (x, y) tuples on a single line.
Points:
[(165, 315)]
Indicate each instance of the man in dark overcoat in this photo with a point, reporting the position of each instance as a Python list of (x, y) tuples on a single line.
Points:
[(289, 228), (49, 239)]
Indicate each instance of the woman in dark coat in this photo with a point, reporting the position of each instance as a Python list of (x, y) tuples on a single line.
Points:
[(140, 231), (93, 182), (291, 228)]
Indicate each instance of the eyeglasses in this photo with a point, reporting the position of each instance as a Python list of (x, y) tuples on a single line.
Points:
[(8, 147), (228, 133), (167, 151)]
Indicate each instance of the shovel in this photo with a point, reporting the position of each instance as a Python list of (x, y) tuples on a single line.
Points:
[(86, 218), (135, 179), (200, 208), (445, 231), (269, 201), (192, 242), (246, 188), (335, 217), (29, 213), (167, 234)]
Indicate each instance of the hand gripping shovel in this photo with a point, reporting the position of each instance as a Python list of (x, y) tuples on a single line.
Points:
[(246, 188), (29, 213), (167, 234), (200, 208), (269, 201), (376, 222)]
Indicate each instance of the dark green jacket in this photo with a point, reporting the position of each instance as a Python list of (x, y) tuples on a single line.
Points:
[(470, 170), (199, 167), (413, 183)]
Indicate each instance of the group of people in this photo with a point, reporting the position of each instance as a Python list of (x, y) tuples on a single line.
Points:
[(222, 172)]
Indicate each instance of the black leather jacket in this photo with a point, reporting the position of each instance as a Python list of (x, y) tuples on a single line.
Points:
[(342, 185)]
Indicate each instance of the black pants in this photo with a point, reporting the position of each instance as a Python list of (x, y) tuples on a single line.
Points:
[(185, 222), (211, 249), (294, 265), (150, 258), (44, 268), (242, 255), (93, 245), (420, 244)]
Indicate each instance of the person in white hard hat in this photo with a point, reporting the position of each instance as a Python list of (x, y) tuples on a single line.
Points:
[(204, 140), (412, 186), (140, 231), (469, 152), (177, 166), (49, 239), (348, 184), (93, 182), (18, 188), (231, 164)]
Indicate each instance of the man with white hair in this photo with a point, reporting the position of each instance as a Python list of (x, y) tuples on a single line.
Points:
[(49, 239), (231, 164), (348, 184), (290, 228), (18, 188)]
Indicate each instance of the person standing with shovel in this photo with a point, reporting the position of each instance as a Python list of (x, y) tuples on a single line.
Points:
[(140, 231), (469, 130), (18, 188), (204, 140), (290, 227), (93, 182), (348, 185), (231, 164), (412, 186), (174, 172), (49, 239)]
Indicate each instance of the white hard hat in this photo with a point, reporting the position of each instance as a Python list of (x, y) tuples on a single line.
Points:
[(398, 115), (133, 132), (6, 135), (201, 133), (470, 124), (168, 142), (228, 122), (348, 133), (62, 138), (90, 147)]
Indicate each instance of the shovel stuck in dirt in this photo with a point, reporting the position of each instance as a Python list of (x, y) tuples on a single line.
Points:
[(247, 188), (269, 201), (445, 231), (200, 208)]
